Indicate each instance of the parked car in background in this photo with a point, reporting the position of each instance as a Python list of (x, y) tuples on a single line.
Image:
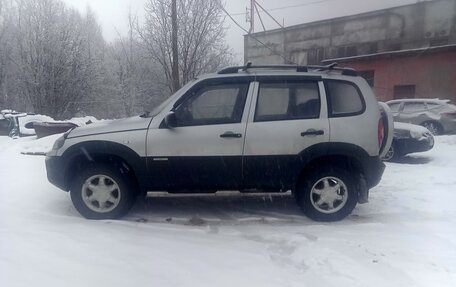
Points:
[(4, 125), (409, 138), (438, 116)]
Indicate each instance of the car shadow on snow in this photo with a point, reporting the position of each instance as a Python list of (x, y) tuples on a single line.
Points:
[(216, 209), (414, 160)]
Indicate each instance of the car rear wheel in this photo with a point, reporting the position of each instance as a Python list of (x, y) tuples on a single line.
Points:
[(329, 194), (102, 192)]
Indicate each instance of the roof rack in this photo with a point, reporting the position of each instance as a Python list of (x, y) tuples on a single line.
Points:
[(298, 68)]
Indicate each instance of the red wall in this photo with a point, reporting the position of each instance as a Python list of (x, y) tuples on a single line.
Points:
[(433, 74)]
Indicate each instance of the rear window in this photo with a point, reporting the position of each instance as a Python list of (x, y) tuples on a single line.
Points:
[(344, 99)]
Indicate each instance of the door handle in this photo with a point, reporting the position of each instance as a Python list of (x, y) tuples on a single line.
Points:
[(312, 132), (230, 135)]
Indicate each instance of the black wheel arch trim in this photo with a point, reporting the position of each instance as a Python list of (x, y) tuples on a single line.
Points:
[(371, 166), (90, 150)]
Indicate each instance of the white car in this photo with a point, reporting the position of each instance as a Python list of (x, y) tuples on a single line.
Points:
[(317, 131)]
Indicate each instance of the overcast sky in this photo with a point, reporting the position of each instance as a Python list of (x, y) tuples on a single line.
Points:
[(112, 14)]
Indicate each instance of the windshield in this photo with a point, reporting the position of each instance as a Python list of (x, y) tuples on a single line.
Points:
[(172, 98)]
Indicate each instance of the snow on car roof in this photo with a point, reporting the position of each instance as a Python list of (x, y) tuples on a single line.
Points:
[(428, 100)]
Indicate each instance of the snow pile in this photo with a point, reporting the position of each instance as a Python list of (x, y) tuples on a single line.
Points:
[(410, 127), (23, 121), (405, 235), (38, 146), (28, 129)]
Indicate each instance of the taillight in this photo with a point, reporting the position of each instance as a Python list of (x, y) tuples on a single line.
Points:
[(381, 132), (451, 115)]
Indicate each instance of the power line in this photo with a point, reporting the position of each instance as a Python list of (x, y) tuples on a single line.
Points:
[(255, 38), (290, 6)]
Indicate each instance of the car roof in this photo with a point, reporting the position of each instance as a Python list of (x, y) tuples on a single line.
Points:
[(424, 100), (266, 72), (329, 71)]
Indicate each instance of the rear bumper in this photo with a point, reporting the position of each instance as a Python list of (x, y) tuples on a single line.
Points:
[(55, 169), (373, 170)]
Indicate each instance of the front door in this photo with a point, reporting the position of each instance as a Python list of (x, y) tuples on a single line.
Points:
[(204, 150)]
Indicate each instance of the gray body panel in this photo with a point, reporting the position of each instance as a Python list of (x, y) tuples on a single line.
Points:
[(268, 154)]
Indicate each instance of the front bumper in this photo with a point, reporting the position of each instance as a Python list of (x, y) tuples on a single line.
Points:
[(55, 169), (410, 145)]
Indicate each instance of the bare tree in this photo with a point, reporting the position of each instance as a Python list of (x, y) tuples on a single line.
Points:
[(138, 81), (201, 37), (54, 60), (6, 50), (57, 59)]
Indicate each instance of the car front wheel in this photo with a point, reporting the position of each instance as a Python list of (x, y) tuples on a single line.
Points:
[(394, 153), (102, 192), (329, 194)]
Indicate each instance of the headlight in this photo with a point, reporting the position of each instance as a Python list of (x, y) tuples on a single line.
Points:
[(416, 134), (58, 143)]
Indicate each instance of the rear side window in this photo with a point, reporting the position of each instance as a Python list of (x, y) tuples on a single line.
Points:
[(394, 107), (433, 106), (344, 99), (287, 101), (413, 107)]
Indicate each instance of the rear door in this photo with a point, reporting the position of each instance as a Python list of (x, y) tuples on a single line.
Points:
[(288, 115), (413, 112)]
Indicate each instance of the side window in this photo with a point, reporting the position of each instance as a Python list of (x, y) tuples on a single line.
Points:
[(344, 99), (216, 104), (394, 107), (433, 106), (413, 107), (287, 101)]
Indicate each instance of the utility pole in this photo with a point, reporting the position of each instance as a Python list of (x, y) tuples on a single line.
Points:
[(175, 64), (252, 16)]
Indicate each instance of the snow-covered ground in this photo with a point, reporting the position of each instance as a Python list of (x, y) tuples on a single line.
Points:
[(405, 236)]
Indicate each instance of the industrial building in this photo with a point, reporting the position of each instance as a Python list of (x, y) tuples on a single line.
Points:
[(404, 52)]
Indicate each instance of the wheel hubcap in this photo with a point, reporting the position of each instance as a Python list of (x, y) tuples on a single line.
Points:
[(329, 195), (101, 193), (432, 128), (389, 155)]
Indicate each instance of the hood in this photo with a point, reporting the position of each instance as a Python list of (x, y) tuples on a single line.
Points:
[(111, 126)]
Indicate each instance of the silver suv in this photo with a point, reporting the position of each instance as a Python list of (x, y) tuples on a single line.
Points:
[(438, 116), (317, 131)]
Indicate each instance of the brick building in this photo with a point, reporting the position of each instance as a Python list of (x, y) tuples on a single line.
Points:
[(403, 52)]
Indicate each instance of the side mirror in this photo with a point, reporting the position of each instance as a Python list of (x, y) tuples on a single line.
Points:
[(170, 120)]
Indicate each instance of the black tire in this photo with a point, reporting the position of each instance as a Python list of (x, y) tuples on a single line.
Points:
[(124, 194), (314, 178), (435, 128)]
